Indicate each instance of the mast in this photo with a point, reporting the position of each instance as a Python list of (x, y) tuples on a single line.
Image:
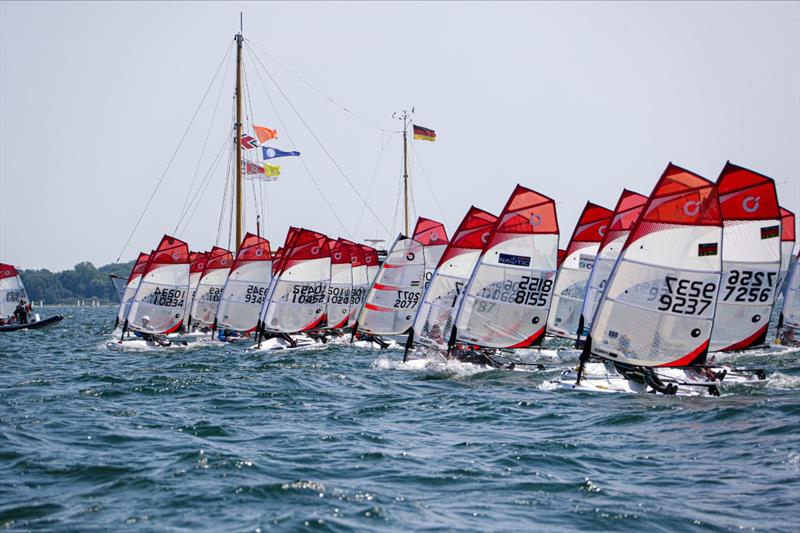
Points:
[(238, 140), (405, 169)]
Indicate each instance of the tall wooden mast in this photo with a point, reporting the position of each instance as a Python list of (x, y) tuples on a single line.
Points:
[(404, 117), (238, 139)]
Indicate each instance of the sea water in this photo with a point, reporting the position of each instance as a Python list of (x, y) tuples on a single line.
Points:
[(212, 438)]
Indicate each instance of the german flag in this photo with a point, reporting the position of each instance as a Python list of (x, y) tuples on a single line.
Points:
[(424, 134)]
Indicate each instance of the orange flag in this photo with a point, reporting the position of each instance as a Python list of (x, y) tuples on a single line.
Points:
[(265, 134)]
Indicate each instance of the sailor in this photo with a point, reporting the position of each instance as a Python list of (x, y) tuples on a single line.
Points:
[(152, 337), (21, 312)]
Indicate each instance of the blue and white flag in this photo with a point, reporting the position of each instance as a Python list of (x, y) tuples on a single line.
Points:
[(271, 153)]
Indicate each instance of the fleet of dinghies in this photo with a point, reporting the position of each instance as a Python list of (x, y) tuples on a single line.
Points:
[(648, 292)]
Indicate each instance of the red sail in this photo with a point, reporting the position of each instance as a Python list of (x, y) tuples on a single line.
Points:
[(626, 213), (472, 234), (747, 195), (138, 267), (680, 197), (170, 251), (8, 271), (591, 227), (253, 248), (787, 225), (429, 232), (218, 258), (527, 212), (305, 245)]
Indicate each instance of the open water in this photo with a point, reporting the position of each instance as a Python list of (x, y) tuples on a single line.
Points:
[(341, 439)]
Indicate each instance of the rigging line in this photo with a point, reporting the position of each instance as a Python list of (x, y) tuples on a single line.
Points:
[(313, 88), (374, 175), (397, 202), (208, 135), (203, 184), (228, 173), (427, 181), (319, 142), (249, 100), (175, 153), (302, 159)]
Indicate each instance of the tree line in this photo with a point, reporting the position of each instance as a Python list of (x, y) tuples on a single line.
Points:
[(84, 282)]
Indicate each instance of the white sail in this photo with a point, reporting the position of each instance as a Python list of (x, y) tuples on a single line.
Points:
[(626, 213), (130, 288), (296, 298), (433, 237), (509, 293), (787, 244), (246, 286), (790, 315), (658, 306), (12, 290), (574, 270), (751, 258), (209, 289), (159, 302), (341, 288), (443, 296), (361, 281), (392, 300)]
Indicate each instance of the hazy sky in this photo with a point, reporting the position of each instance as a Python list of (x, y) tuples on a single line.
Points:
[(574, 100)]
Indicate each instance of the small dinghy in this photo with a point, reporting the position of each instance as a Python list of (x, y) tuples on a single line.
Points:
[(12, 292), (36, 324)]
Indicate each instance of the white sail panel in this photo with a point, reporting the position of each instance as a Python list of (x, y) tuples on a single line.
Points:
[(626, 213), (133, 284), (298, 292), (393, 299), (658, 306), (360, 282), (787, 243), (246, 287), (160, 299), (790, 315), (341, 287), (433, 237), (509, 293), (12, 290), (442, 298), (751, 258), (574, 270), (209, 290)]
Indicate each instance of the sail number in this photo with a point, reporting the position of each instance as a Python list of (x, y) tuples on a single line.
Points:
[(167, 297), (14, 296), (685, 297), (526, 291), (749, 286), (406, 299), (308, 294), (339, 295), (213, 295), (357, 295), (255, 294)]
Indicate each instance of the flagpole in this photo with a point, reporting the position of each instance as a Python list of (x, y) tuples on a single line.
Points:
[(405, 168), (239, 185)]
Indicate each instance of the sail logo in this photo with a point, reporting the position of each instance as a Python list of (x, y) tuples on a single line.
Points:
[(535, 220), (434, 237), (602, 230), (485, 238), (337, 256), (750, 204), (259, 252), (515, 260), (705, 249), (691, 208), (315, 250), (770, 232)]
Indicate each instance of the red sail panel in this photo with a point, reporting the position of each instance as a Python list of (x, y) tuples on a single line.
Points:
[(472, 234), (526, 212), (591, 227), (218, 258), (561, 255), (680, 197), (370, 255), (626, 213), (747, 195), (253, 248), (429, 232), (170, 251), (787, 225), (305, 245), (340, 251), (8, 271), (137, 270)]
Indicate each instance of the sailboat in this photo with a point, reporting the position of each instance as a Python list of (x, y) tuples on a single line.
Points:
[(245, 288), (787, 244), (442, 299), (789, 320), (626, 213), (574, 270), (751, 259), (665, 282), (508, 295), (157, 306), (207, 295), (130, 287), (12, 291)]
